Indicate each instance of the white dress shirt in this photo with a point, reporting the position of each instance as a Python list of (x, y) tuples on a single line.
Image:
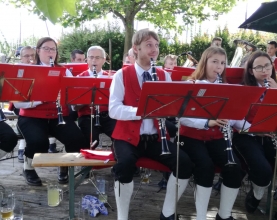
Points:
[(119, 111), (199, 123)]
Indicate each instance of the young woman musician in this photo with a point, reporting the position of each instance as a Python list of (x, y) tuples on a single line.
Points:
[(257, 151), (205, 145), (37, 120)]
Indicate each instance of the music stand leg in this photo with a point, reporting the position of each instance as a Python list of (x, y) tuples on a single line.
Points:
[(71, 191), (177, 168)]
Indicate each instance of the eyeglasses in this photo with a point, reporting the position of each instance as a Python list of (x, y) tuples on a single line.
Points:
[(93, 57), (48, 49), (28, 56), (267, 66)]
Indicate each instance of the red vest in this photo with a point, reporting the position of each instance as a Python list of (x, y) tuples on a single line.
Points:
[(201, 134), (130, 130), (86, 109), (46, 110)]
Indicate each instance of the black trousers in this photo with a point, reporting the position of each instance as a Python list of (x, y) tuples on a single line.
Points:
[(128, 154), (36, 131), (107, 127), (205, 155), (258, 154), (8, 139)]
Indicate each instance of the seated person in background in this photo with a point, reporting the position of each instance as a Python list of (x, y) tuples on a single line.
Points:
[(77, 56), (271, 50), (216, 42), (96, 57), (27, 55), (126, 59), (131, 56), (170, 61)]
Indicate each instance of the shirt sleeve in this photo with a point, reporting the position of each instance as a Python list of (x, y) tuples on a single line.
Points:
[(240, 124), (193, 122), (26, 105), (117, 109)]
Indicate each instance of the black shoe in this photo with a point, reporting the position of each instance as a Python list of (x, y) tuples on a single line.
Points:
[(63, 175), (219, 218), (251, 203), (162, 217), (53, 148), (32, 178), (20, 156)]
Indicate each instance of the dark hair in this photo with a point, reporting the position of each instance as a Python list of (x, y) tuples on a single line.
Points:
[(74, 52), (248, 77), (40, 42), (272, 42)]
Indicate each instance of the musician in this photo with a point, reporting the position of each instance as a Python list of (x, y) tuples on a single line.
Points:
[(205, 144), (257, 151), (38, 119), (27, 55), (216, 41), (135, 137), (131, 56), (77, 56), (170, 61), (126, 59), (96, 57), (271, 50)]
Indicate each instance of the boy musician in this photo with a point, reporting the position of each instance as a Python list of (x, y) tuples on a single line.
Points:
[(136, 137), (216, 41), (96, 57), (77, 56), (271, 50)]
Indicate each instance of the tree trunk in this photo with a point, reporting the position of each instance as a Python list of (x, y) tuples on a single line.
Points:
[(129, 31)]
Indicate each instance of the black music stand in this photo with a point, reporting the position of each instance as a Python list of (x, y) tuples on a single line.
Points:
[(210, 101)]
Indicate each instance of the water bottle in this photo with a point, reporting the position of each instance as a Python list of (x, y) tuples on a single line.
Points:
[(100, 182)]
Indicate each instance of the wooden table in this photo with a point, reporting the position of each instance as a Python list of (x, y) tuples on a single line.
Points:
[(69, 160)]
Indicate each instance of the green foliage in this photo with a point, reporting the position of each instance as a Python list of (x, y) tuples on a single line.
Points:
[(84, 38)]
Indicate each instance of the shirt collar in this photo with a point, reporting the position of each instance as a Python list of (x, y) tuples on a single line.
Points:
[(98, 74), (140, 71)]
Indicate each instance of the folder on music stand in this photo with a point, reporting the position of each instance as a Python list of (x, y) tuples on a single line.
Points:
[(234, 75), (29, 82), (184, 99), (76, 68), (265, 120), (85, 90), (181, 73)]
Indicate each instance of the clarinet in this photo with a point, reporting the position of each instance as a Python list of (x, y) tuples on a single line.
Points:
[(162, 128), (227, 133), (97, 111), (58, 104)]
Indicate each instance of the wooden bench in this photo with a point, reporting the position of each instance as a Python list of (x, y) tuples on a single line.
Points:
[(69, 160)]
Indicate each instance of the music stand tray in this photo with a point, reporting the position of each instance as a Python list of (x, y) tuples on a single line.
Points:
[(265, 120), (29, 82), (201, 100), (85, 90)]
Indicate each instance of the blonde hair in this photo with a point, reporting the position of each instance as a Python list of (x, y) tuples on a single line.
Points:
[(200, 72), (170, 57), (143, 35)]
